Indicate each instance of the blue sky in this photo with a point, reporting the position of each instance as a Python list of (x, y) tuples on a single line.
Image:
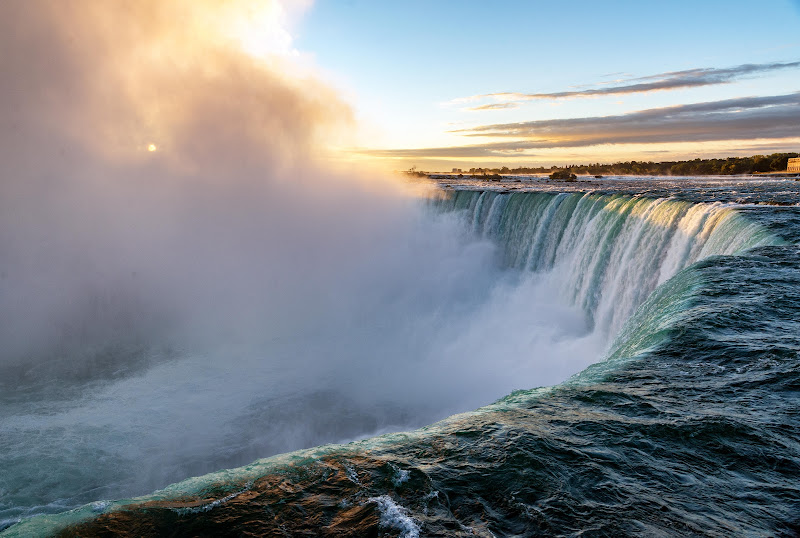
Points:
[(406, 69)]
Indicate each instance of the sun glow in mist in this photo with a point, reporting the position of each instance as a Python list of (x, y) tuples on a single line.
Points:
[(260, 29)]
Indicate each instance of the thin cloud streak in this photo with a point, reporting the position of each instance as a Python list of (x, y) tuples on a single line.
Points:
[(495, 106), (748, 118), (706, 113), (674, 80)]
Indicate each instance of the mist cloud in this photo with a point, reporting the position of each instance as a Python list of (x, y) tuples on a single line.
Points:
[(85, 208), (226, 296)]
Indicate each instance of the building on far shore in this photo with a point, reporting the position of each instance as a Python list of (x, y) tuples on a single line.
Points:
[(793, 165)]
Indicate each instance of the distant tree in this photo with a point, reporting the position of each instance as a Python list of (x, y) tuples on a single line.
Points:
[(563, 175)]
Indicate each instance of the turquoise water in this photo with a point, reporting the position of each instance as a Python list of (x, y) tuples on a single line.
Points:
[(686, 424)]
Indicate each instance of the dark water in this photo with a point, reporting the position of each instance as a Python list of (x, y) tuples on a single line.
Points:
[(689, 426)]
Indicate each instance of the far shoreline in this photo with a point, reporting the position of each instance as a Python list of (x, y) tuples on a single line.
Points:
[(589, 178), (774, 165)]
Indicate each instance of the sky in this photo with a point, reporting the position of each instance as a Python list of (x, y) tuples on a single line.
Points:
[(444, 84)]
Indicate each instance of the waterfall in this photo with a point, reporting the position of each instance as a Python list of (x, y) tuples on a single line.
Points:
[(605, 253)]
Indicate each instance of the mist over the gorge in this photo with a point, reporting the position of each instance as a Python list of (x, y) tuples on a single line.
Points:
[(226, 296)]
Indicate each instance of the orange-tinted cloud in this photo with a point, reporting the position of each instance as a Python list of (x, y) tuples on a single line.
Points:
[(112, 77)]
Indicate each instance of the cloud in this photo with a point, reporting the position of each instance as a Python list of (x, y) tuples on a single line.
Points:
[(746, 118), (495, 106), (674, 80)]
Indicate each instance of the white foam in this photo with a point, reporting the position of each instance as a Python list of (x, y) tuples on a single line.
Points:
[(395, 516), (399, 475)]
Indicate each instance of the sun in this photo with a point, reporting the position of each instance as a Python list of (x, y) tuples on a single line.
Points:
[(151, 147)]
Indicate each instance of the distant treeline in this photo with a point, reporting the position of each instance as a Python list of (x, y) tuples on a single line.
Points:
[(698, 167)]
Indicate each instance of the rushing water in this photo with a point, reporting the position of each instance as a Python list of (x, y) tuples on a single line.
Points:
[(684, 421)]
